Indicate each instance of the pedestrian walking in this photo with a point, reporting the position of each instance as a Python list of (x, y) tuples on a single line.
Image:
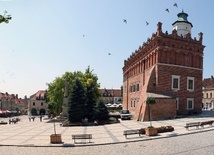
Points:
[(40, 118), (33, 118)]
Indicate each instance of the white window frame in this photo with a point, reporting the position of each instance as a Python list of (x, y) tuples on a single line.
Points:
[(176, 77), (193, 79), (190, 99), (177, 103)]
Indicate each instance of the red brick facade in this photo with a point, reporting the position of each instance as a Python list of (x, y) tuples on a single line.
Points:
[(154, 67)]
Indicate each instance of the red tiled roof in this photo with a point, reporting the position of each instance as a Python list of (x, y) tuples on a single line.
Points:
[(39, 94), (19, 101), (208, 83), (113, 92), (7, 96)]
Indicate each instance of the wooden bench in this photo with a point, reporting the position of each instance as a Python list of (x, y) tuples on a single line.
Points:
[(206, 123), (131, 132), (82, 136), (193, 124)]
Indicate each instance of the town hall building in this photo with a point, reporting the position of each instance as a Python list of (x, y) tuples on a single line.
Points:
[(168, 67)]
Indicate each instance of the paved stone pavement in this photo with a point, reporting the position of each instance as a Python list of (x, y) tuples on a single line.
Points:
[(37, 133)]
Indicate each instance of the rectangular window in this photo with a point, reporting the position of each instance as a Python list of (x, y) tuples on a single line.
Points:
[(134, 88), (211, 95), (190, 83), (131, 103), (190, 103), (138, 87), (41, 103), (134, 103), (33, 103), (175, 82)]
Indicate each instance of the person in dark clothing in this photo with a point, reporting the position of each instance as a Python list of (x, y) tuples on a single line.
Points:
[(40, 118)]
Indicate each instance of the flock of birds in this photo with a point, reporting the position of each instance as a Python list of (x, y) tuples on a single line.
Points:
[(5, 18), (147, 23)]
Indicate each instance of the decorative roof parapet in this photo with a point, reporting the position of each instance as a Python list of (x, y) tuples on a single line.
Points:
[(144, 47), (200, 36), (159, 29)]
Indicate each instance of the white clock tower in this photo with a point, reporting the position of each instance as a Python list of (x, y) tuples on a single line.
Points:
[(182, 25)]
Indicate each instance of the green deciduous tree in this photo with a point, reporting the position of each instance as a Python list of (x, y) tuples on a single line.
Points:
[(56, 89), (89, 82), (150, 101), (55, 94), (121, 91), (51, 107)]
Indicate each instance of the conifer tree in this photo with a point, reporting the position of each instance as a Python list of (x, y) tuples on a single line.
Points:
[(102, 111), (77, 102), (90, 101)]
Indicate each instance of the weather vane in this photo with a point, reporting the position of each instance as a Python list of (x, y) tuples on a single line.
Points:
[(5, 18)]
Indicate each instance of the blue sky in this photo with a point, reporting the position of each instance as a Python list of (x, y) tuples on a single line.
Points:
[(45, 38)]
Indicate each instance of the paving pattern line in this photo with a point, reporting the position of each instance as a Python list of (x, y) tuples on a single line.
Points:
[(36, 135), (33, 127), (114, 138)]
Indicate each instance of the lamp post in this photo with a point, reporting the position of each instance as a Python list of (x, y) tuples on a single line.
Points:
[(54, 126), (11, 105)]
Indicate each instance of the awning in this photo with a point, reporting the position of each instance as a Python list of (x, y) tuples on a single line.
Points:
[(3, 111)]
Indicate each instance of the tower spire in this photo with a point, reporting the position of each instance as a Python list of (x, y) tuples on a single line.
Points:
[(182, 25)]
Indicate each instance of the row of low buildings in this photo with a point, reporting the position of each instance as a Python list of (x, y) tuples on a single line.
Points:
[(11, 103), (208, 93), (37, 105)]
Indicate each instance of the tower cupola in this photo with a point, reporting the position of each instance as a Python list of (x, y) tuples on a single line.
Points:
[(182, 25)]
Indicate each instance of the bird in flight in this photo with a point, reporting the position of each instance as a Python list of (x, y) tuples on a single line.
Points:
[(83, 35), (125, 21), (176, 5), (109, 53), (5, 18), (147, 23), (167, 10)]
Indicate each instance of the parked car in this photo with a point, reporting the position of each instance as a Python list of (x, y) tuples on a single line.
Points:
[(125, 115)]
